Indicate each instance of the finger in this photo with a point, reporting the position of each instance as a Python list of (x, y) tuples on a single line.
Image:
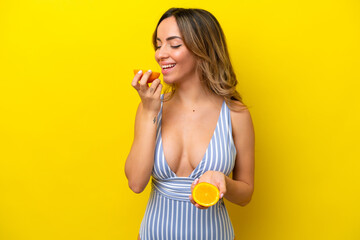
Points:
[(158, 90), (136, 79), (196, 181), (143, 82), (200, 207), (222, 188), (154, 86), (192, 200), (155, 83), (196, 204)]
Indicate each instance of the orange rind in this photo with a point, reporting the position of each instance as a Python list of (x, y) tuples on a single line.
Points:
[(153, 76)]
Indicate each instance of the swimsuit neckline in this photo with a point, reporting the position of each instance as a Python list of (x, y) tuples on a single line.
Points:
[(203, 158)]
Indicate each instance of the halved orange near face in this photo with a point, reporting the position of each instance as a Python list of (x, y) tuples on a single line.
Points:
[(205, 194), (153, 76)]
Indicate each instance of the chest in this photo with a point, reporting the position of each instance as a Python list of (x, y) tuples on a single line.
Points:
[(186, 138)]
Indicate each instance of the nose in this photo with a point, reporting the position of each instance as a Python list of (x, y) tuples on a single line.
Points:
[(162, 53)]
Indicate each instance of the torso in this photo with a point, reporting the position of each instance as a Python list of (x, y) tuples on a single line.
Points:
[(186, 133), (182, 138)]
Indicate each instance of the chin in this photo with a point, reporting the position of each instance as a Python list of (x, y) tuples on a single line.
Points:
[(168, 80)]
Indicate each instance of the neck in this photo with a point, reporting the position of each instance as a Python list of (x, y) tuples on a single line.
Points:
[(191, 92)]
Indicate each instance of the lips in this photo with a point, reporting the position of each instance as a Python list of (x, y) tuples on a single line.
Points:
[(167, 68)]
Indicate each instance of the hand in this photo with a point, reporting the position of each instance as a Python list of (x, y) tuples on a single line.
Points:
[(213, 177), (150, 96)]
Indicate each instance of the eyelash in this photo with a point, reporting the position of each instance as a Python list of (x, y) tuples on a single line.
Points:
[(171, 46)]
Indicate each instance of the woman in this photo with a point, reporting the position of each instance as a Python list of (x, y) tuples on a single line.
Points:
[(200, 131)]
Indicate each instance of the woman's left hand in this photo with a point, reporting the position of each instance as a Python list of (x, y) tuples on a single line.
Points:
[(213, 177)]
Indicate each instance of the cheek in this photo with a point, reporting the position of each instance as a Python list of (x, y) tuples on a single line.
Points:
[(156, 57), (189, 61), (184, 57)]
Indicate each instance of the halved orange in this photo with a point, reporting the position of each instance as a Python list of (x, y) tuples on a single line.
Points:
[(205, 194), (153, 76)]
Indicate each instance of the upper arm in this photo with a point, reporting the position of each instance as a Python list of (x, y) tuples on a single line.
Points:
[(244, 140)]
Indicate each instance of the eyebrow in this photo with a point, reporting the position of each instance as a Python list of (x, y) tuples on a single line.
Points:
[(170, 38)]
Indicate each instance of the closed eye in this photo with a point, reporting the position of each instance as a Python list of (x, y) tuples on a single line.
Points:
[(157, 47)]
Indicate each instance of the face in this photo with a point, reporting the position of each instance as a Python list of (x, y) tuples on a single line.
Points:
[(176, 61)]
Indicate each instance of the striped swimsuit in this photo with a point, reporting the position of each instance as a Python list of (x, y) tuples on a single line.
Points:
[(169, 213)]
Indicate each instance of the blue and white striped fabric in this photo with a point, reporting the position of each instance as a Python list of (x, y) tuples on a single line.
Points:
[(169, 214)]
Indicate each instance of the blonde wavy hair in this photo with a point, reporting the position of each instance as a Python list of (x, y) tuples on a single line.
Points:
[(204, 37)]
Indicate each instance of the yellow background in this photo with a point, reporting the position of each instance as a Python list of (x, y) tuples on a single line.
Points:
[(67, 115)]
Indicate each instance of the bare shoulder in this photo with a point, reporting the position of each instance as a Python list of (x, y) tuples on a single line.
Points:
[(241, 120), (239, 112)]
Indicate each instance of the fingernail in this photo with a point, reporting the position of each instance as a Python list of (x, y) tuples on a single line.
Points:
[(221, 196), (196, 180), (139, 71), (149, 71)]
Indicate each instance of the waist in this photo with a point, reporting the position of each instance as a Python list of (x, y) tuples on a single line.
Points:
[(178, 188)]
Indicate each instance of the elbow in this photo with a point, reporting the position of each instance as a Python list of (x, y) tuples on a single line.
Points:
[(243, 204), (137, 181), (136, 188), (134, 185)]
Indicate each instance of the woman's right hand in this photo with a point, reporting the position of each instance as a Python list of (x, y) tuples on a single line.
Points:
[(150, 96), (140, 161)]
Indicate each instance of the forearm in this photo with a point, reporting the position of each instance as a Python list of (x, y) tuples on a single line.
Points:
[(238, 192), (140, 161)]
